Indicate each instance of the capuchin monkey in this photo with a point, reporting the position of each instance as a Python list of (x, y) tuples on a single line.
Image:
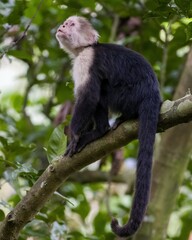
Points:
[(109, 76)]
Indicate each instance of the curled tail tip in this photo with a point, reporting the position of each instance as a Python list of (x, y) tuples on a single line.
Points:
[(115, 227), (114, 224), (127, 230)]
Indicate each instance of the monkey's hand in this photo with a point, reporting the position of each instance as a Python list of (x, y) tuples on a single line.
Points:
[(72, 147), (117, 122)]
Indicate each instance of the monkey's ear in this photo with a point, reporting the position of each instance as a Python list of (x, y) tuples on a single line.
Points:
[(92, 37)]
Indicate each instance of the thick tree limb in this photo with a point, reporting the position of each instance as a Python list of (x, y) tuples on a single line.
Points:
[(172, 113)]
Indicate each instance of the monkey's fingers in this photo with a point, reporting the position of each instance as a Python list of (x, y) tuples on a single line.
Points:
[(80, 147), (114, 126), (66, 152), (71, 149), (117, 122)]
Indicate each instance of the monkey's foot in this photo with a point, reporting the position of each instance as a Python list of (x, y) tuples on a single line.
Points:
[(118, 121), (116, 124), (71, 148)]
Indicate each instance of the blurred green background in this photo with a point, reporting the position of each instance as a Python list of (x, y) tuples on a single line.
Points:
[(36, 96)]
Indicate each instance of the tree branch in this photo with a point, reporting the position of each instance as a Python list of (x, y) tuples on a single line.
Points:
[(172, 113), (87, 176)]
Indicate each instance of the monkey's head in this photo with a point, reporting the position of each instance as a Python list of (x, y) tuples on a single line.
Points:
[(76, 32)]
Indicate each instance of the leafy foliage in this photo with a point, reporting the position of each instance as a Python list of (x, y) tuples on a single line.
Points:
[(160, 29)]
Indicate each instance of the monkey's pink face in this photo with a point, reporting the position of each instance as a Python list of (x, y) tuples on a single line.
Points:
[(76, 32), (69, 32), (65, 30)]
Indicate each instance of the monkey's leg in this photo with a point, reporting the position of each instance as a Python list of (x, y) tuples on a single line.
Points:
[(88, 138), (85, 107), (102, 126), (75, 138), (118, 121), (73, 143), (124, 117)]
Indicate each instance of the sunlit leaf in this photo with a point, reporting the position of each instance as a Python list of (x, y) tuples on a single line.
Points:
[(2, 215), (184, 5), (57, 143), (189, 31)]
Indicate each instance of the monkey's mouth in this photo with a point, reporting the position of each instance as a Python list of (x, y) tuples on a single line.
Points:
[(61, 34), (60, 31)]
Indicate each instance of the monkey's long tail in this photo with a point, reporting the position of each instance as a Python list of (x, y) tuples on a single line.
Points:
[(148, 118)]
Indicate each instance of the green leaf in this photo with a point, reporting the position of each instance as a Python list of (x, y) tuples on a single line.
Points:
[(2, 215), (83, 208), (16, 12), (184, 5), (57, 143), (100, 222), (152, 4), (189, 31), (64, 91), (164, 1), (90, 4), (23, 55)]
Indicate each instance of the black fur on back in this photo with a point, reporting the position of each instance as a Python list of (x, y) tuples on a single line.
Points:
[(123, 81)]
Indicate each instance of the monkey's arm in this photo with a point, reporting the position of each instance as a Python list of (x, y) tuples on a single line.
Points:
[(87, 100)]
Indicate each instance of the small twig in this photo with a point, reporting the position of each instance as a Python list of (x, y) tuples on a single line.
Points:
[(188, 92), (165, 54), (24, 34), (63, 197), (108, 194), (114, 28)]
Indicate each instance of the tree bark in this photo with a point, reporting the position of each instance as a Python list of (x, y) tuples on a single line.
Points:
[(170, 164), (173, 113)]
